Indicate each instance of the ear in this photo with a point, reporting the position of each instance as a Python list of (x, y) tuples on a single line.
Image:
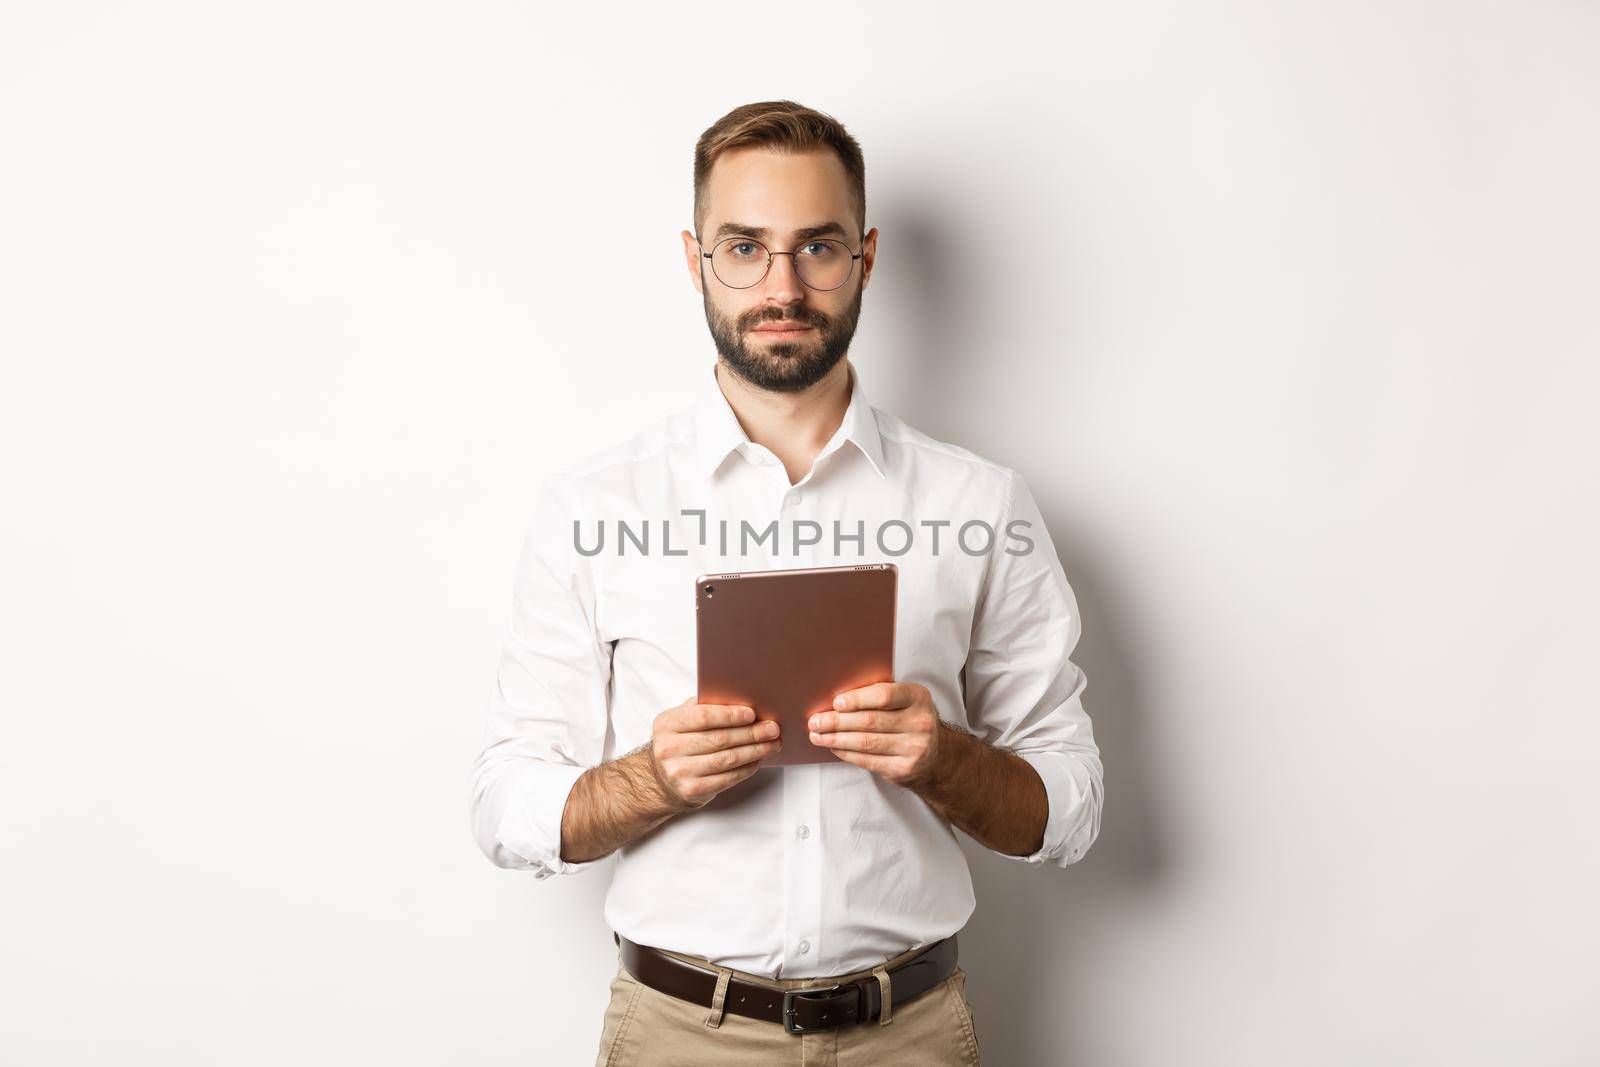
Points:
[(693, 260), (869, 255)]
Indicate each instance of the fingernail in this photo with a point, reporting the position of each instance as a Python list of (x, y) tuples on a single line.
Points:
[(816, 721), (815, 737), (838, 702)]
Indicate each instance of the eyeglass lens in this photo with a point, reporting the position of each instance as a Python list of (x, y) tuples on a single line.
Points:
[(740, 262)]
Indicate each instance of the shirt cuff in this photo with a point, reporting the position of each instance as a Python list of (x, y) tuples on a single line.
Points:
[(531, 827), (1074, 818)]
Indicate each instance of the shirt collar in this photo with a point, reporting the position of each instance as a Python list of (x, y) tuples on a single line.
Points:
[(718, 431)]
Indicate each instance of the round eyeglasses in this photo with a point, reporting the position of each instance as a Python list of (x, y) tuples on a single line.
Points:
[(741, 262)]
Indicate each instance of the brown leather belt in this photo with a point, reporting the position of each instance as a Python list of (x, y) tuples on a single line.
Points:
[(799, 1010)]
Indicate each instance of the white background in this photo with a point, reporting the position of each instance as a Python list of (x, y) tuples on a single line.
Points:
[(1287, 312)]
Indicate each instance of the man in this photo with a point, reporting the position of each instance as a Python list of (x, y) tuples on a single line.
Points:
[(739, 888)]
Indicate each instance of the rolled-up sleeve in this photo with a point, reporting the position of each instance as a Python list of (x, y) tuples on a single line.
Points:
[(547, 714), (1023, 691)]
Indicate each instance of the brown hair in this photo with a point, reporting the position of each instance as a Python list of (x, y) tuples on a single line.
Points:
[(785, 126)]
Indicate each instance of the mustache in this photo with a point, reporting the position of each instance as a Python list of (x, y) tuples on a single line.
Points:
[(804, 318)]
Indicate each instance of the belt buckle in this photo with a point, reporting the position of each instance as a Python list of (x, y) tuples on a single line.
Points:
[(791, 995)]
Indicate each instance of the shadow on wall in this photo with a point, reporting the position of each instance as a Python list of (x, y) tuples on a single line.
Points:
[(1025, 944)]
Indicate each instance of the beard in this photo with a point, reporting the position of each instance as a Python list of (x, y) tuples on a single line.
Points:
[(783, 366)]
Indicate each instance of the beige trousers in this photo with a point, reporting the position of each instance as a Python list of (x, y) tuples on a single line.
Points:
[(647, 1028)]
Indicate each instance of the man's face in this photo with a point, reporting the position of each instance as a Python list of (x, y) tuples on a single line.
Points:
[(779, 334)]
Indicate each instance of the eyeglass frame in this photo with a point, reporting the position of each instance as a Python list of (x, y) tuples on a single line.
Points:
[(770, 253)]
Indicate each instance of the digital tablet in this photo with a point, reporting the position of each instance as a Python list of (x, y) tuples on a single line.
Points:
[(786, 642)]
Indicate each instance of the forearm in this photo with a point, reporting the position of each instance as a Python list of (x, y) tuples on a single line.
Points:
[(612, 804), (993, 794)]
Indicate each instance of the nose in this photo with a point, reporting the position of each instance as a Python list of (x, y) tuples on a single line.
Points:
[(782, 284)]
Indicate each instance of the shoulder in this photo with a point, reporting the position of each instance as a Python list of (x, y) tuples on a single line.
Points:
[(643, 457), (929, 461)]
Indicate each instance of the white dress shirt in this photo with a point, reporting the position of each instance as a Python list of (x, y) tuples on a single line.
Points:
[(797, 871)]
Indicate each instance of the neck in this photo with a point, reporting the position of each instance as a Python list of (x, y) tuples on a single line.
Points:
[(793, 426)]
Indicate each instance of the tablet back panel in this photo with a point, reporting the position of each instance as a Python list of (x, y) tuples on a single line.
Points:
[(786, 642)]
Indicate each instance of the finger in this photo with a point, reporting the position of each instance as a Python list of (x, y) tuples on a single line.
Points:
[(878, 764), (719, 782), (866, 721), (728, 758), (711, 716), (700, 742), (876, 695), (886, 744)]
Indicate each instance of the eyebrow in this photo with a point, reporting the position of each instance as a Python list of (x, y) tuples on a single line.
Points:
[(739, 229)]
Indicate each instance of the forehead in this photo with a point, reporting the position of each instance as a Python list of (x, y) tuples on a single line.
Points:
[(782, 191)]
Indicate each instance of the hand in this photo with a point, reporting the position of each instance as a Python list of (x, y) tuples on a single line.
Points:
[(698, 750), (890, 728)]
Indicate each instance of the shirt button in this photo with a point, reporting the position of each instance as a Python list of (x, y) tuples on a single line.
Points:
[(804, 831), (805, 946)]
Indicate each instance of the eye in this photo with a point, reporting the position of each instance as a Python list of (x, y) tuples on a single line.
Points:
[(743, 248), (819, 249)]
